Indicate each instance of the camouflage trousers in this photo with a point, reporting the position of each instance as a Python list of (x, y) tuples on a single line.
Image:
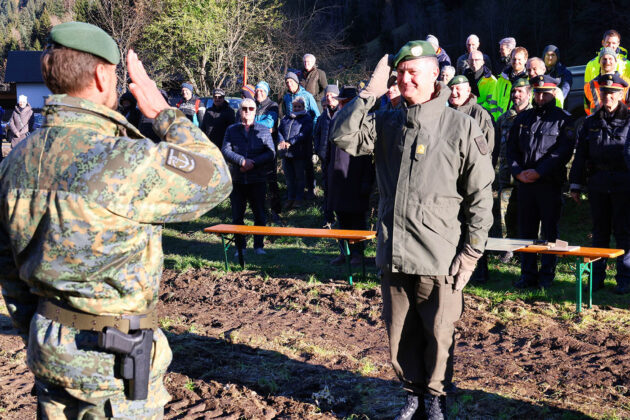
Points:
[(55, 402), (508, 203)]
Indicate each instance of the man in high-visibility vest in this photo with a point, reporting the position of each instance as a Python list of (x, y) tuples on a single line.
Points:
[(501, 96), (607, 64), (482, 82), (611, 40)]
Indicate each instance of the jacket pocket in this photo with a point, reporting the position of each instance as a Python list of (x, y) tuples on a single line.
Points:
[(444, 222)]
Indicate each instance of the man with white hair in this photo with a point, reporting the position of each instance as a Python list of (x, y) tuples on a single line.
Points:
[(446, 74), (442, 56), (21, 122), (312, 78), (472, 44), (506, 45)]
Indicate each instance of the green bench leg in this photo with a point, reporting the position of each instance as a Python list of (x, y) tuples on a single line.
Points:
[(582, 268), (225, 250), (346, 249)]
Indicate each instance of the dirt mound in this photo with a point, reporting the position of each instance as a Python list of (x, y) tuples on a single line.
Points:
[(254, 347)]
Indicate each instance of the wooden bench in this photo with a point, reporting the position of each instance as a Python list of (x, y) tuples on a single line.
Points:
[(346, 237), (584, 256)]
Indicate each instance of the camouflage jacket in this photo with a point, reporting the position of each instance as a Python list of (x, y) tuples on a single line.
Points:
[(81, 207), (504, 124)]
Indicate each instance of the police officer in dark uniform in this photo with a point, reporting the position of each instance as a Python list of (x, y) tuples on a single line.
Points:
[(599, 165), (539, 146)]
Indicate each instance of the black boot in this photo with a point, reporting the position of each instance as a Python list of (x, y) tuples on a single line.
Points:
[(412, 409), (435, 407)]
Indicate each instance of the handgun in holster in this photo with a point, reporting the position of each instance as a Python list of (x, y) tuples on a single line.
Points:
[(135, 363)]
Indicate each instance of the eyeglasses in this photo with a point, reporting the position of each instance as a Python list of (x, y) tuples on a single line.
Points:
[(218, 97), (248, 108)]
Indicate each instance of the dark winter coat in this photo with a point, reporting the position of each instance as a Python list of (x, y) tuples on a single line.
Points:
[(321, 133), (350, 180), (314, 82), (297, 130), (473, 78), (443, 58), (188, 108), (599, 158), (559, 71), (216, 120), (256, 145), (542, 139), (20, 124)]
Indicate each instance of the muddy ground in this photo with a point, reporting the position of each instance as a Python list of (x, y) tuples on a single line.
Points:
[(265, 348)]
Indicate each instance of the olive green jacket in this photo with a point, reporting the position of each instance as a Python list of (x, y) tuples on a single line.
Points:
[(432, 165), (481, 116), (82, 203)]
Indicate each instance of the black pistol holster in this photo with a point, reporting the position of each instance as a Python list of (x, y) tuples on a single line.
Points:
[(134, 350)]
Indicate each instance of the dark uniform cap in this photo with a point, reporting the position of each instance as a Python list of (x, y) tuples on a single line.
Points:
[(544, 83), (347, 92), (611, 82), (520, 82), (412, 50), (85, 37), (458, 80)]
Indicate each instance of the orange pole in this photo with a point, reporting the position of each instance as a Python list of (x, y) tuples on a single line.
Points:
[(245, 71)]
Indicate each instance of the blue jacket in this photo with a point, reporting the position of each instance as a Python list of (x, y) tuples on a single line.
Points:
[(267, 113), (256, 145), (541, 138), (559, 71), (309, 103), (298, 131), (599, 158)]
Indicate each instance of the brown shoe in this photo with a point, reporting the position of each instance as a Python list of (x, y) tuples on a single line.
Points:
[(338, 260), (356, 259), (297, 204)]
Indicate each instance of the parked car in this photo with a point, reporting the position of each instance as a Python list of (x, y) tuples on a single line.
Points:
[(574, 102), (232, 101)]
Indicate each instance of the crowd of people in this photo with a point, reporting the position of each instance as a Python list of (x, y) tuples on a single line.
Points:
[(529, 151), (83, 199)]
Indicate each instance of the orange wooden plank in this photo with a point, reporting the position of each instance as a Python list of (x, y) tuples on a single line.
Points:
[(350, 235), (580, 252)]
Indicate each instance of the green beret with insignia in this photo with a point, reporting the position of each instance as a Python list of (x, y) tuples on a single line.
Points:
[(520, 82), (85, 37), (458, 80), (412, 50)]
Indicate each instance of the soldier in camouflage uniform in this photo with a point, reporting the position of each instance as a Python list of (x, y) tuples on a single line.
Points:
[(81, 207), (521, 101)]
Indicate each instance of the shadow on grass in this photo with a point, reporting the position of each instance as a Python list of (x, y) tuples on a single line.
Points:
[(502, 277), (286, 256), (350, 395)]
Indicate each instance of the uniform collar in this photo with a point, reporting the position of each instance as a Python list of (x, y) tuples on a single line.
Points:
[(63, 109)]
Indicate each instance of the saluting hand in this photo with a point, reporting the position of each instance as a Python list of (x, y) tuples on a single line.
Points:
[(150, 100)]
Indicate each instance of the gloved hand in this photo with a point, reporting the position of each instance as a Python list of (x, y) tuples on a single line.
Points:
[(463, 266), (377, 86)]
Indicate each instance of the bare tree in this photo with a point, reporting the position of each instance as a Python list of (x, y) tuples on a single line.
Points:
[(124, 20)]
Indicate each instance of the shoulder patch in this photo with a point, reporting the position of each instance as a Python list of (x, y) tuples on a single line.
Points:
[(194, 168), (482, 145)]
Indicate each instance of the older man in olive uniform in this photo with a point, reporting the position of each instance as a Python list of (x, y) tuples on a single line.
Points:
[(432, 164), (540, 145), (81, 210)]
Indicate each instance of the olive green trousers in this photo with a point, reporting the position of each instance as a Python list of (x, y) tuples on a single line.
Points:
[(420, 314)]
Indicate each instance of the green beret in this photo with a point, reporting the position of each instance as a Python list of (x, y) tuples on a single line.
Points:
[(520, 82), (412, 50), (88, 38), (458, 80)]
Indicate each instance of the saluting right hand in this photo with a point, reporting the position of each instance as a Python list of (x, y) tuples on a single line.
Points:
[(150, 100), (377, 86)]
